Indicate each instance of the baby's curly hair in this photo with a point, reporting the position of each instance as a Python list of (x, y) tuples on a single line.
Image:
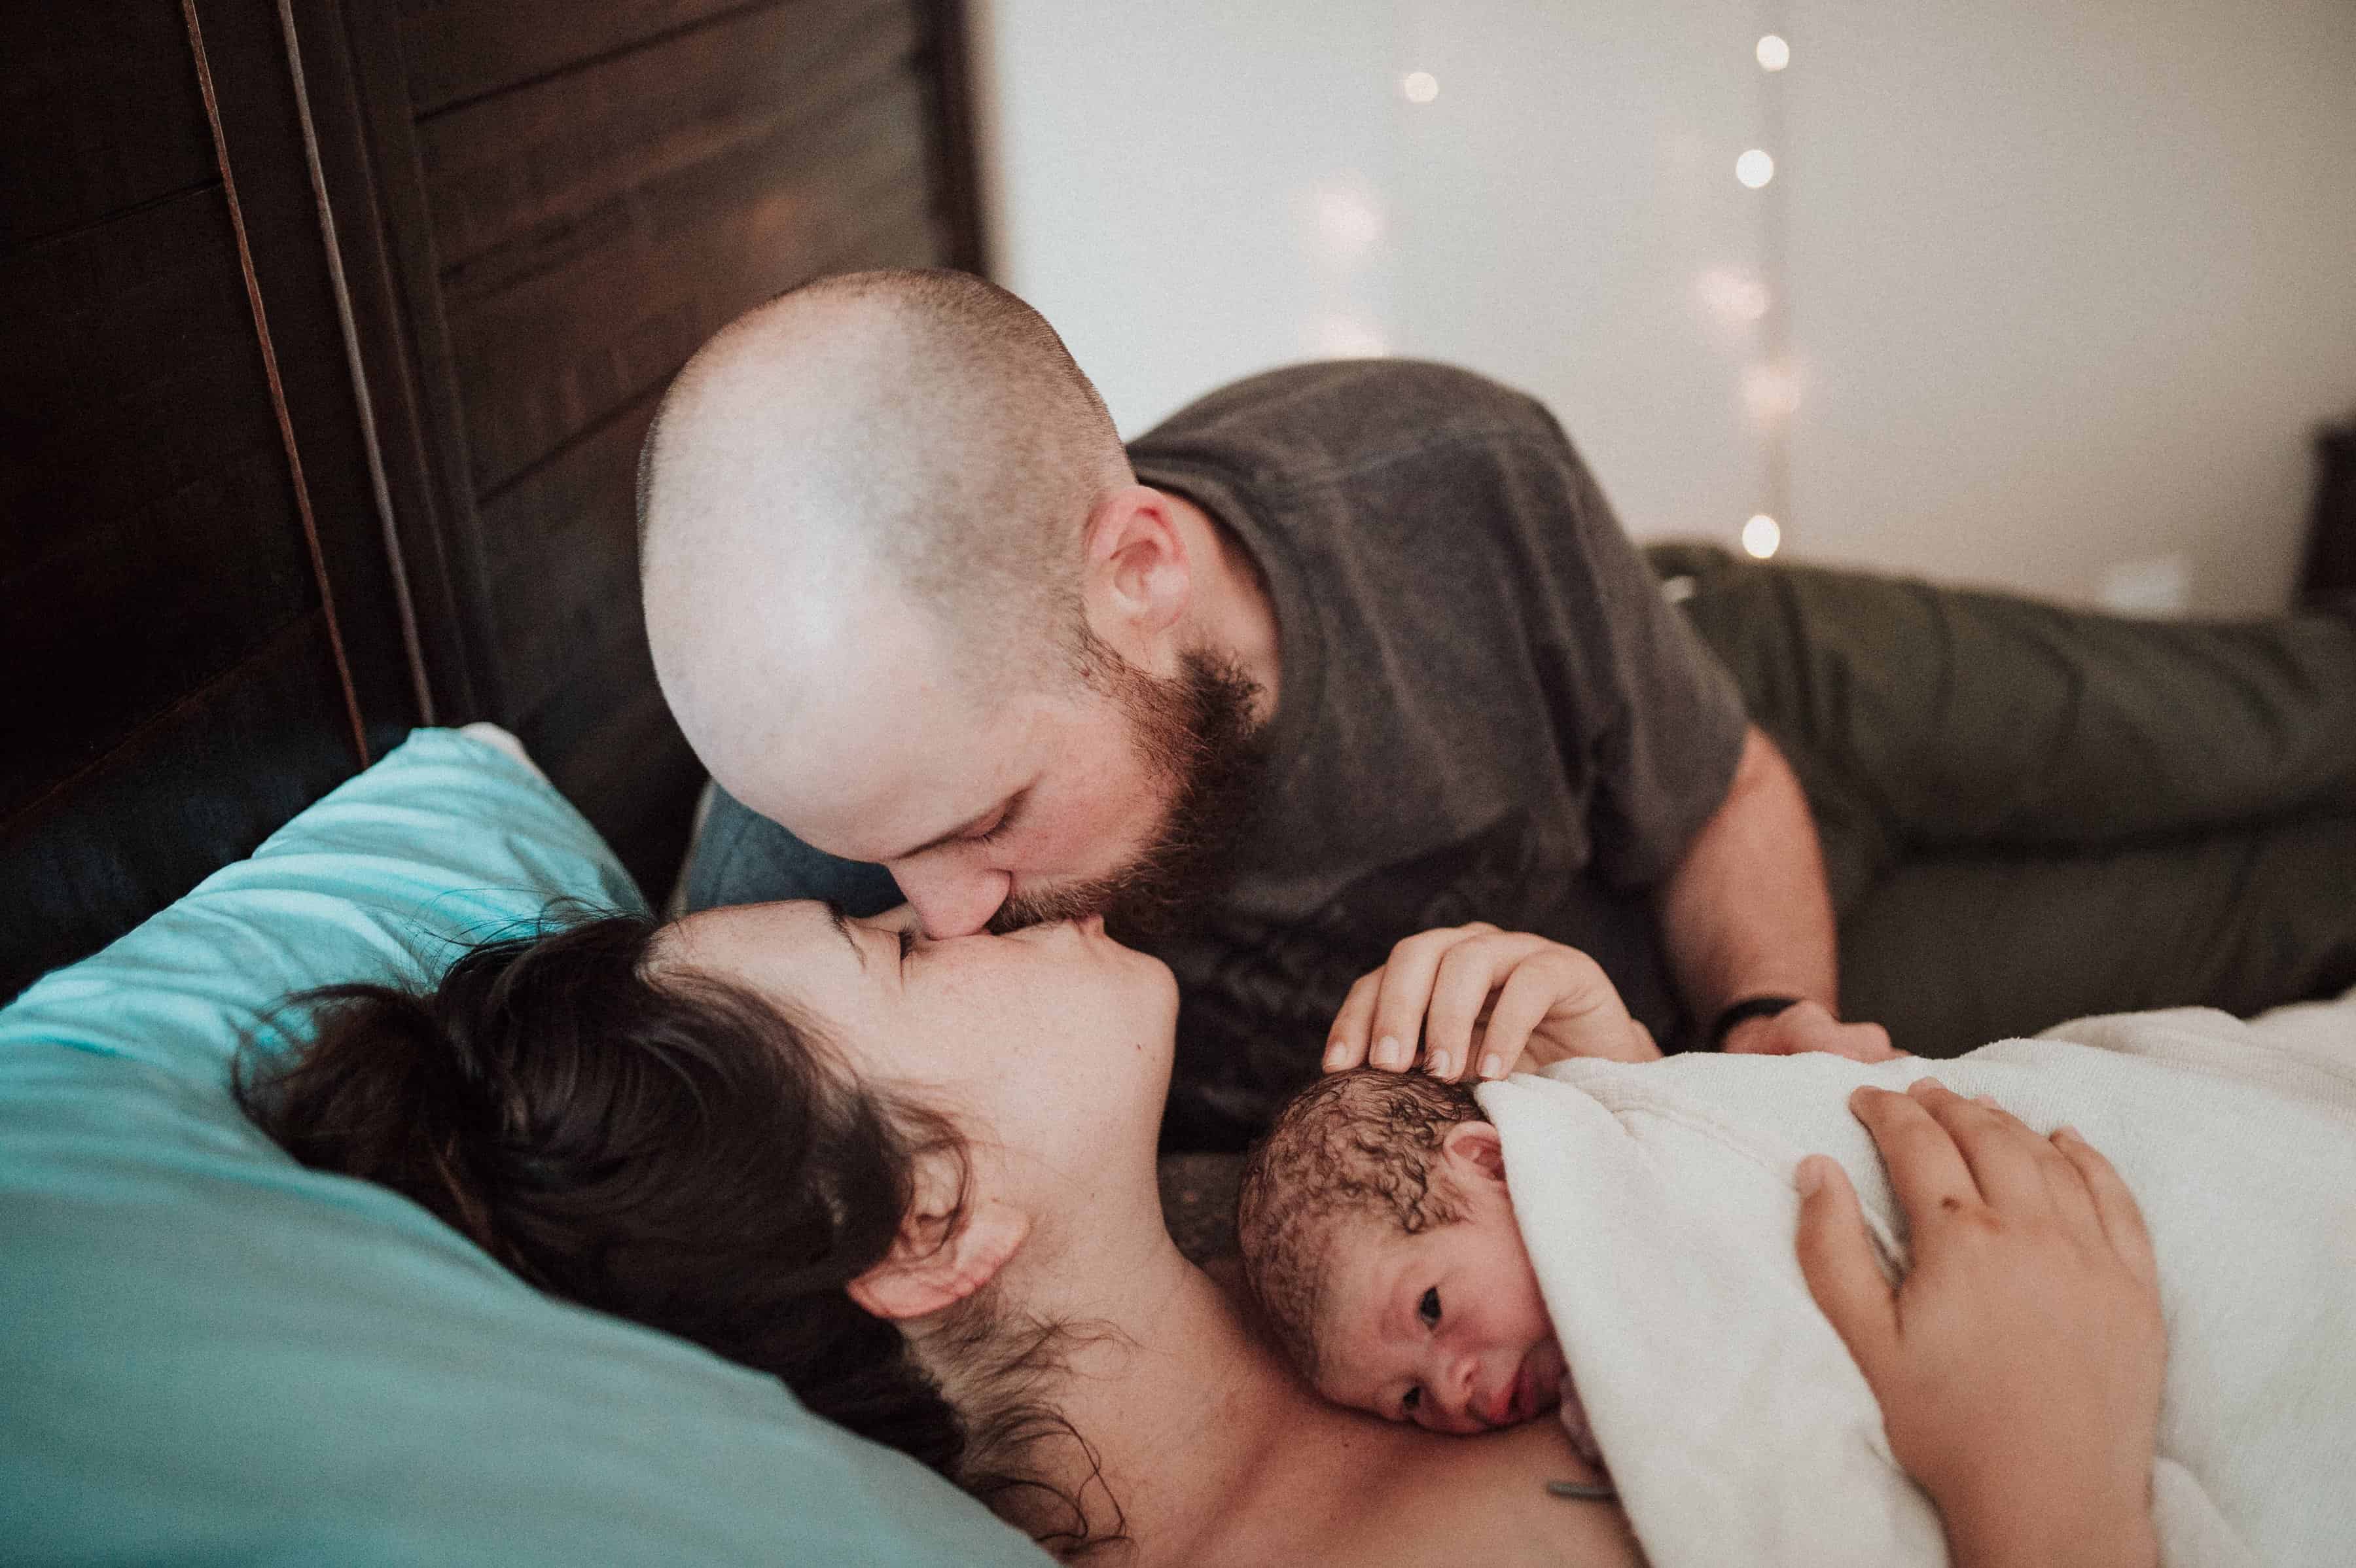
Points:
[(1365, 1144)]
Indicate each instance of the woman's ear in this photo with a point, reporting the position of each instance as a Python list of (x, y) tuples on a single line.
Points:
[(1473, 1149), (941, 1256)]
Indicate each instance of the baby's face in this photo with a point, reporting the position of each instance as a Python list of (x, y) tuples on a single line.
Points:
[(1445, 1328)]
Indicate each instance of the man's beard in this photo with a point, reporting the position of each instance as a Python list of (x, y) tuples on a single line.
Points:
[(1196, 731)]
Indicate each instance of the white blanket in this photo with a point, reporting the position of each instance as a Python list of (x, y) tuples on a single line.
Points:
[(1656, 1200)]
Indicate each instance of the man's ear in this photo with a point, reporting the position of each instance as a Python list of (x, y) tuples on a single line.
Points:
[(1136, 578), (1473, 1150), (941, 1256)]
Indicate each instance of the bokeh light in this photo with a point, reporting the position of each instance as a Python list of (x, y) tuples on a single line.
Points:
[(1771, 392), (1774, 54), (1350, 219), (1733, 295), (1762, 535), (1347, 337), (1421, 86), (1754, 168)]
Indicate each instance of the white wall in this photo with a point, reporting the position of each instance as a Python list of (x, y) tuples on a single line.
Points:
[(2069, 284)]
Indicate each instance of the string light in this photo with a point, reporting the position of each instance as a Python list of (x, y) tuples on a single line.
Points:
[(1770, 386), (1419, 86)]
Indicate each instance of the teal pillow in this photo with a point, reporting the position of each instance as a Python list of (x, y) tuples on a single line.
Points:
[(208, 1354)]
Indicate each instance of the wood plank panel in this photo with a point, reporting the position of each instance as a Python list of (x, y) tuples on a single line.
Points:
[(263, 136), (506, 165), (359, 95), (617, 754), (154, 537), (956, 175), (554, 332), (100, 107), (127, 371), (190, 794), (458, 49), (197, 788)]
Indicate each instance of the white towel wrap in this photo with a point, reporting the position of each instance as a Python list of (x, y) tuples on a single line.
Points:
[(1657, 1203)]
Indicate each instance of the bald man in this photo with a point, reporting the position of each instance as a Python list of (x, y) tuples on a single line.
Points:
[(1337, 654)]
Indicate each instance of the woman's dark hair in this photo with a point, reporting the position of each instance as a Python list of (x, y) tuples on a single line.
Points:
[(655, 1143)]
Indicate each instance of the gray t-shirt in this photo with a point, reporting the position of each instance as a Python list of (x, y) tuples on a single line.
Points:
[(1487, 709)]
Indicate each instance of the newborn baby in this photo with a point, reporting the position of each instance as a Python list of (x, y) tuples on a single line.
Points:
[(1378, 1233), (1646, 1234)]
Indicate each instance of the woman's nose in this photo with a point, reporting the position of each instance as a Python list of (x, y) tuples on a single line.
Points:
[(950, 900)]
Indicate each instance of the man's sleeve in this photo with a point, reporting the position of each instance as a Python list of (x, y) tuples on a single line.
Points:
[(741, 857), (1664, 720)]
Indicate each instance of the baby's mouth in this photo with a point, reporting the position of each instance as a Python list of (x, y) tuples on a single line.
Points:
[(1506, 1412), (1542, 1383), (1537, 1385)]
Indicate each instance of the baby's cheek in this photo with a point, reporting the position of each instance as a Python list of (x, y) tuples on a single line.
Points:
[(1332, 1394), (1378, 1408)]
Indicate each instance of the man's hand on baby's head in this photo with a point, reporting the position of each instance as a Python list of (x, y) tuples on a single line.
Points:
[(1473, 1000)]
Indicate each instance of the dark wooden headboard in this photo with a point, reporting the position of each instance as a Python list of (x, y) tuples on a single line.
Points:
[(331, 331)]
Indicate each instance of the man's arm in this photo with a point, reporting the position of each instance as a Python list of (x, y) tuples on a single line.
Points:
[(1746, 914)]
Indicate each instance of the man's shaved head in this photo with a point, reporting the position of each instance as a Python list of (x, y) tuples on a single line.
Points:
[(884, 453), (907, 599)]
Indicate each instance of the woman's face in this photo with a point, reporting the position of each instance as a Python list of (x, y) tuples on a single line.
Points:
[(1032, 1038)]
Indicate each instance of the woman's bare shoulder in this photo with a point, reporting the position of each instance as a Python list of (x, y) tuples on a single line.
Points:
[(1349, 1490)]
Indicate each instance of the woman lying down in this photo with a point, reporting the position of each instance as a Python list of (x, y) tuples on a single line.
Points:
[(1449, 1260), (916, 1182)]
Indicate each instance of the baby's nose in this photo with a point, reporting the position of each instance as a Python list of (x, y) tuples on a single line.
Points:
[(1457, 1387)]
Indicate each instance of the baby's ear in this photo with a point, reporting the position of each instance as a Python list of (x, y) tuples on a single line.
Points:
[(1472, 1148)]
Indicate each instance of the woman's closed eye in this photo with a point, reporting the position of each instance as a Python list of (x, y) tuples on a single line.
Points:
[(907, 943)]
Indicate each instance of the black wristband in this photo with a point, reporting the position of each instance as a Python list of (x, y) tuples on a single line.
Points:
[(1739, 1012)]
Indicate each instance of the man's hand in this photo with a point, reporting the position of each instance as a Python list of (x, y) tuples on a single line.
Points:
[(2018, 1364), (1468, 998), (1810, 1027)]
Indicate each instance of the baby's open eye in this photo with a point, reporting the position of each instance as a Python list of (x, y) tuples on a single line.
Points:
[(1428, 1307)]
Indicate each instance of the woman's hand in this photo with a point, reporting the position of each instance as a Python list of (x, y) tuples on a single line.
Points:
[(2018, 1363), (1472, 997)]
